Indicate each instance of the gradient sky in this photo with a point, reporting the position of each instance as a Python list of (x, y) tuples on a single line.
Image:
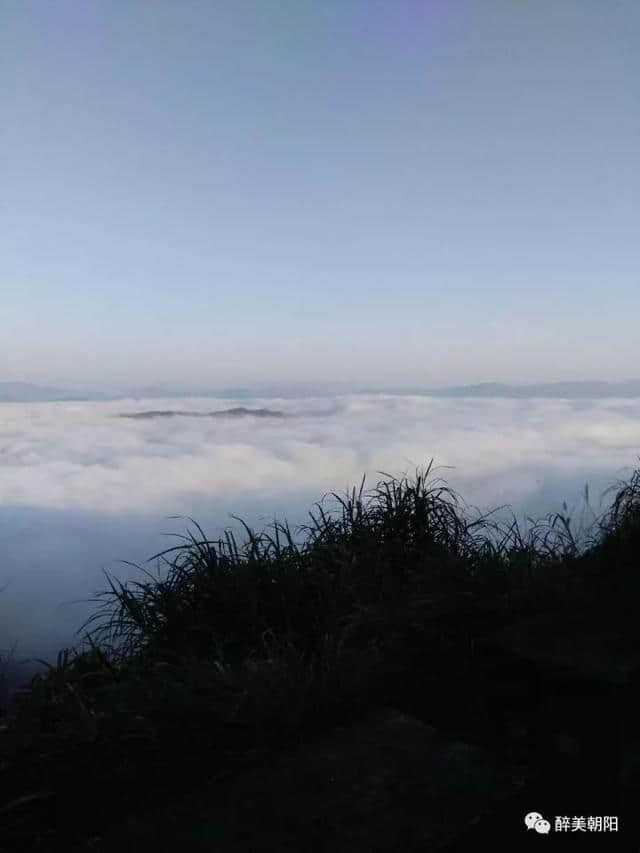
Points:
[(376, 192)]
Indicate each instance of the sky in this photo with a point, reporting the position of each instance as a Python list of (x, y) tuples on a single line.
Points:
[(220, 193), (83, 489)]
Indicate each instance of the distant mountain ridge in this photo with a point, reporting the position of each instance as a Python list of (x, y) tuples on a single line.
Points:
[(239, 412), (557, 390), (25, 392)]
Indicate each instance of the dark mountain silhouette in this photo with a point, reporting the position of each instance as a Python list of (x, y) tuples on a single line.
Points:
[(239, 412)]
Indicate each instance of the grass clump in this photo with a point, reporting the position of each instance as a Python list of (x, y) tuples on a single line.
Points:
[(233, 649)]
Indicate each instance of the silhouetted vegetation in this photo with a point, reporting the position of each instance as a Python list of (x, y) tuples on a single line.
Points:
[(233, 649)]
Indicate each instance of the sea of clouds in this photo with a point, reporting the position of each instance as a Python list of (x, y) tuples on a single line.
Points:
[(82, 488)]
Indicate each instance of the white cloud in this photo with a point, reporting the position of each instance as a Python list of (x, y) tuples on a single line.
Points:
[(81, 487), (82, 456)]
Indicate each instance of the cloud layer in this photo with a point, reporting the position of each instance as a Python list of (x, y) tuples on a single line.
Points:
[(82, 487)]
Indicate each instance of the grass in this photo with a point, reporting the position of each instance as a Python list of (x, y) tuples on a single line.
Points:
[(232, 650)]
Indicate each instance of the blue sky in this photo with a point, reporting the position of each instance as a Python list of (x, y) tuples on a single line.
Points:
[(372, 192)]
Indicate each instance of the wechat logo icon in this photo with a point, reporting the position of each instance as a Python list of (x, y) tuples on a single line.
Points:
[(535, 821)]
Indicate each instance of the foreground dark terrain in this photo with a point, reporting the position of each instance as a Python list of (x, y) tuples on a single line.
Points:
[(400, 675)]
